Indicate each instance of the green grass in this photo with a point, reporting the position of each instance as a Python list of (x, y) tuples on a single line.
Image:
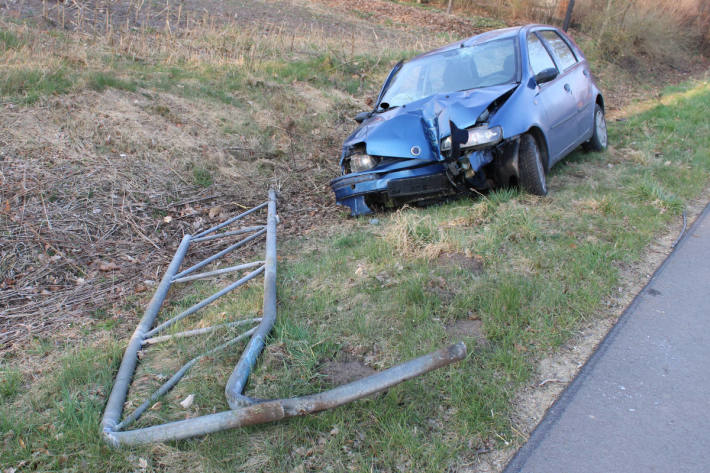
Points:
[(8, 40), (29, 85), (100, 81), (202, 177), (10, 383)]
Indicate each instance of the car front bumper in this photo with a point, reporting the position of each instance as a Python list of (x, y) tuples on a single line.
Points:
[(406, 184)]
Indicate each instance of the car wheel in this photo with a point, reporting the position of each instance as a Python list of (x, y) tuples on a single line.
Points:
[(598, 141), (532, 172)]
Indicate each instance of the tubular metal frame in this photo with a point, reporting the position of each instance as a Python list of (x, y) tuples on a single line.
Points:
[(245, 410)]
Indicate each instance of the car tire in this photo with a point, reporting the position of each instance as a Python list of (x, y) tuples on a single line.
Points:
[(532, 171), (599, 140)]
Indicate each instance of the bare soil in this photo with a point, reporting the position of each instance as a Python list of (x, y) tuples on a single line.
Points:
[(342, 372), (466, 328), (401, 16), (469, 263)]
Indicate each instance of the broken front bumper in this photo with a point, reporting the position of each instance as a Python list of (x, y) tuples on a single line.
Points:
[(406, 184)]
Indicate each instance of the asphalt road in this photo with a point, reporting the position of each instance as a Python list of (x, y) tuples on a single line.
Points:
[(642, 401)]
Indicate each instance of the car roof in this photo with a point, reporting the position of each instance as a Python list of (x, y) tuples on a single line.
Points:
[(480, 38)]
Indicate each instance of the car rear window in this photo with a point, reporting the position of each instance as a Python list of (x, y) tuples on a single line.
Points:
[(539, 58), (564, 55)]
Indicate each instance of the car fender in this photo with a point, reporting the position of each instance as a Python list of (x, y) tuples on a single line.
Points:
[(516, 117)]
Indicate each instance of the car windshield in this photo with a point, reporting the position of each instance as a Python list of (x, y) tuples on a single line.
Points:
[(480, 65)]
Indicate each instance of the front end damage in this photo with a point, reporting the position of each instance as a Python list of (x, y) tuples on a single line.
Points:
[(440, 147)]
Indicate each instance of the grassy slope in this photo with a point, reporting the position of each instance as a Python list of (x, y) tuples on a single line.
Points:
[(547, 265), (531, 270)]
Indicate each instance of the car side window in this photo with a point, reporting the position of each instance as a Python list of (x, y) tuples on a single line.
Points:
[(539, 58), (562, 52)]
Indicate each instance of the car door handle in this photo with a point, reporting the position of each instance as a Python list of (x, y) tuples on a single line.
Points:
[(568, 88), (586, 72)]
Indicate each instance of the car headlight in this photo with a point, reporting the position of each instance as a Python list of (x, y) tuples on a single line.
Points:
[(446, 144), (362, 162), (479, 136)]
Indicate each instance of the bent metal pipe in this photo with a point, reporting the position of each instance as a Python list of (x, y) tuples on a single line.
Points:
[(245, 411), (114, 407), (270, 411)]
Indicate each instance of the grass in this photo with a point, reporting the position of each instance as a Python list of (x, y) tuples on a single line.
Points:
[(382, 294), (100, 81), (29, 85), (202, 177), (9, 40)]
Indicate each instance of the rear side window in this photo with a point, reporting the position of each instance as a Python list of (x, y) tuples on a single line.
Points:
[(563, 54), (539, 59)]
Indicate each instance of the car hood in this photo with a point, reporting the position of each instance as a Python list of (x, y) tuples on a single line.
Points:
[(415, 130)]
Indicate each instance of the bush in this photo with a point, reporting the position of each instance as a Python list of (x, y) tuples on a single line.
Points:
[(670, 31)]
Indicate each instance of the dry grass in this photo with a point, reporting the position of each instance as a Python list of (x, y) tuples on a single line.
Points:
[(96, 191), (415, 236), (133, 125), (624, 31)]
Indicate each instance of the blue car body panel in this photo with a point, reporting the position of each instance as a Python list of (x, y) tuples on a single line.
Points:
[(393, 133), (407, 138)]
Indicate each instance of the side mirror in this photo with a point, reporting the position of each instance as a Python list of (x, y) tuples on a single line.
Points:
[(362, 116), (546, 75)]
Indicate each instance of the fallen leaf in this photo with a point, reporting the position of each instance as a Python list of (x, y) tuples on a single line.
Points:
[(142, 463), (129, 258), (214, 211), (187, 402), (110, 266), (167, 219)]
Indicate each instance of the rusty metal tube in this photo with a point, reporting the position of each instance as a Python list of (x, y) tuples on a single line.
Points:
[(226, 234), (270, 411), (170, 383), (199, 331)]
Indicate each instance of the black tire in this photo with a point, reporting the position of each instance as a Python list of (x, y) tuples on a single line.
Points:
[(599, 139), (532, 171)]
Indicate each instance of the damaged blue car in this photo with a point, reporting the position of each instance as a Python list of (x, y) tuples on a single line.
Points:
[(497, 109)]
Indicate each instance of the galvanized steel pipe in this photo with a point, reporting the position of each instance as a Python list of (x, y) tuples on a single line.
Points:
[(270, 411), (114, 406), (238, 379), (206, 301)]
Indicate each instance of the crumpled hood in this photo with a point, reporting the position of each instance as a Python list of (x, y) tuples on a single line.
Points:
[(419, 126)]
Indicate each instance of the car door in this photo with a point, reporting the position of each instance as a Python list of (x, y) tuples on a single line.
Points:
[(575, 76), (558, 104)]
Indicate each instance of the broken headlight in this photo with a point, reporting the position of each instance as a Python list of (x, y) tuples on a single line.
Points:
[(362, 162), (479, 136)]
